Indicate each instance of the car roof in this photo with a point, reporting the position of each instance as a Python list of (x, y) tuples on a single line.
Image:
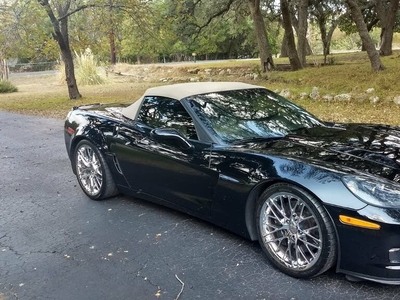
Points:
[(183, 90)]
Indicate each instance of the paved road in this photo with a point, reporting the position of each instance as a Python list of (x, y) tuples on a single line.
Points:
[(55, 243)]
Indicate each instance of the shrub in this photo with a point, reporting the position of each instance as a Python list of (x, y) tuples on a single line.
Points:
[(7, 87), (86, 69)]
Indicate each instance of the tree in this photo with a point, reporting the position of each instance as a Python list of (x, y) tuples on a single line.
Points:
[(21, 38), (370, 16), (357, 17), (387, 11), (327, 14), (287, 25), (60, 34), (266, 59)]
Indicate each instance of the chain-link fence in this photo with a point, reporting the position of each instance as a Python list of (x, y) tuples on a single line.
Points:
[(33, 67)]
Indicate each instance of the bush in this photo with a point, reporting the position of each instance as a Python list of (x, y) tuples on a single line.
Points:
[(86, 69), (7, 87)]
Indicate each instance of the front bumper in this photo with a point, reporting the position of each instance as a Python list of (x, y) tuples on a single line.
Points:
[(366, 253)]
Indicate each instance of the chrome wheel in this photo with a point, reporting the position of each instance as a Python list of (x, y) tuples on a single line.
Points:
[(89, 171), (290, 231)]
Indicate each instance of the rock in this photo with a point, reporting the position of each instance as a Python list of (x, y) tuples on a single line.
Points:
[(276, 91), (327, 97), (303, 96), (163, 79), (247, 76), (255, 76), (370, 91), (208, 71), (361, 97), (194, 79), (285, 93), (374, 99), (342, 97), (193, 71), (222, 73), (396, 100), (229, 71), (314, 93)]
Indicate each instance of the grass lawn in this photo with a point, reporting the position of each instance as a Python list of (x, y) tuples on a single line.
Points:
[(348, 73)]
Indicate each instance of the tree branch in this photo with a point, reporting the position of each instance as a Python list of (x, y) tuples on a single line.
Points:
[(79, 9), (217, 14)]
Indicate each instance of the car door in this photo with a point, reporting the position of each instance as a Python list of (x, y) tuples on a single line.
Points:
[(163, 168)]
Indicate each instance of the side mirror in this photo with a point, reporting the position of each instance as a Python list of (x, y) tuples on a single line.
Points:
[(171, 137)]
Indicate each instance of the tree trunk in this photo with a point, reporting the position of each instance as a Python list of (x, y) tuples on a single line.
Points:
[(60, 34), (287, 25), (284, 46), (68, 59), (113, 56), (326, 37), (387, 15), (357, 17), (3, 69), (302, 31), (267, 62), (308, 48)]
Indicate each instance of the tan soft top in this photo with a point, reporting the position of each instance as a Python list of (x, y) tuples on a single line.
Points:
[(183, 90)]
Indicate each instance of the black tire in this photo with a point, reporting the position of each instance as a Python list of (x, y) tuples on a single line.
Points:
[(92, 172), (295, 231)]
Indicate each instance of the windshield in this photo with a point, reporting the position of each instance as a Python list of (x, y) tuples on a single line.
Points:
[(234, 116)]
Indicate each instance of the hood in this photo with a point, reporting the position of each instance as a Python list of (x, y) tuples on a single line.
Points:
[(354, 148)]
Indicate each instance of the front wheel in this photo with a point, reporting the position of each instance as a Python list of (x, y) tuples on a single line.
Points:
[(92, 172), (295, 232)]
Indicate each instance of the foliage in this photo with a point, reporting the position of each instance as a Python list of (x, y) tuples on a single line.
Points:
[(22, 38), (7, 87), (86, 69)]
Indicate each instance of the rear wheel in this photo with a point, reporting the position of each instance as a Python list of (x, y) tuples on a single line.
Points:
[(295, 231), (92, 172)]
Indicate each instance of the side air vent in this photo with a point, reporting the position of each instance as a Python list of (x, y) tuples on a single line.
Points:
[(117, 166)]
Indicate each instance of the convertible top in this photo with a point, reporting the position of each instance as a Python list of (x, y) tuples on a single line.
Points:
[(182, 90)]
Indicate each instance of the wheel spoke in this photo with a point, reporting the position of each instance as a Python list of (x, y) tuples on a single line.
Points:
[(273, 212), (310, 236), (303, 254), (277, 239), (306, 243)]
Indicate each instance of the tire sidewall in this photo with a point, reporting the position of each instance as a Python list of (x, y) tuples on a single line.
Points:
[(319, 265)]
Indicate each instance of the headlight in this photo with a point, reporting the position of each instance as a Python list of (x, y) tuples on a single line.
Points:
[(377, 192)]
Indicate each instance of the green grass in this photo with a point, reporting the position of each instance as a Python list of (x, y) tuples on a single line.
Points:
[(350, 73), (7, 87)]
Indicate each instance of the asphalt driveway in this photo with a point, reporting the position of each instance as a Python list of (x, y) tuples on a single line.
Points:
[(55, 243)]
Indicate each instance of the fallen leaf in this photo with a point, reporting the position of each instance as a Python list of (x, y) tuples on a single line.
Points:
[(158, 294)]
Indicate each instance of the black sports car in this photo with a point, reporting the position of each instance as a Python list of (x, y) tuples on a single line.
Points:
[(314, 194)]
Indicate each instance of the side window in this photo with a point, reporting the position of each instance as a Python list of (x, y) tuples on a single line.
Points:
[(159, 112)]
